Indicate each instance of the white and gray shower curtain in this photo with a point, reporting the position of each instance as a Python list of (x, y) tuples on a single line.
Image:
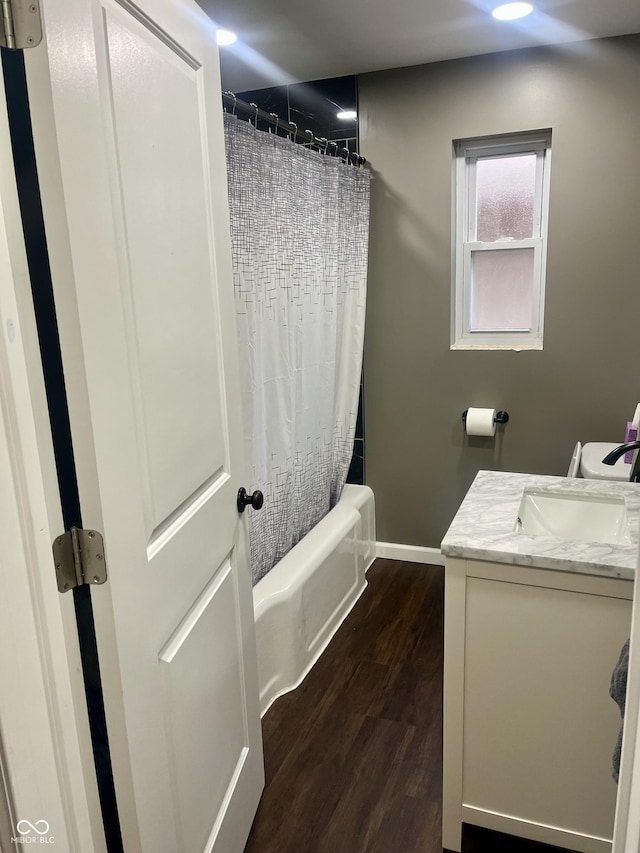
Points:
[(299, 231)]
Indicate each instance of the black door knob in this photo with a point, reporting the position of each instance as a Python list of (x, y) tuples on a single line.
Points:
[(244, 499)]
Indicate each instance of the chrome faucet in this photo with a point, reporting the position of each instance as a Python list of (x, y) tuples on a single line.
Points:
[(612, 458)]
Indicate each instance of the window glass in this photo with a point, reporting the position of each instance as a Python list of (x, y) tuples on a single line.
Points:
[(502, 290), (505, 193)]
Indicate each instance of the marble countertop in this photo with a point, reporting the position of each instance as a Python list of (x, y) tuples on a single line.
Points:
[(484, 527)]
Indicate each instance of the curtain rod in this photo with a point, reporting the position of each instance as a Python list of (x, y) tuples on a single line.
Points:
[(290, 128)]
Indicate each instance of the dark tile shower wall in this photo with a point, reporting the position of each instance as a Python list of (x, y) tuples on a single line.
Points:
[(313, 106)]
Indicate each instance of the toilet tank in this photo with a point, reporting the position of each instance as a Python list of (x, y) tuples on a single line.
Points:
[(593, 468)]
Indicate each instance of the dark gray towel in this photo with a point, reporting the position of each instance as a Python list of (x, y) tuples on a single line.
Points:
[(618, 692)]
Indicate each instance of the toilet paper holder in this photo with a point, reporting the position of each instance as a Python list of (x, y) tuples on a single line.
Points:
[(500, 418)]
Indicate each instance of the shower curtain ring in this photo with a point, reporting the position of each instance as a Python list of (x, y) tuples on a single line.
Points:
[(312, 137), (276, 119), (335, 145), (325, 141), (257, 109), (293, 125), (231, 94)]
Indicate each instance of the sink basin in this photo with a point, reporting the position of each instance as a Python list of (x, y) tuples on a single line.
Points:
[(590, 518)]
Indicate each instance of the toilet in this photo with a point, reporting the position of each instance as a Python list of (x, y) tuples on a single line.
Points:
[(592, 467)]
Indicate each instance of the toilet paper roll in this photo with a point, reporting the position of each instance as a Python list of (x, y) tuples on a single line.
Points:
[(481, 422)]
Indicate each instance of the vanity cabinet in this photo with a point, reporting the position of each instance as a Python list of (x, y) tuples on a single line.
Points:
[(529, 726)]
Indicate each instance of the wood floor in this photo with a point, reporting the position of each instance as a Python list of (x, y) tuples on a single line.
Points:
[(353, 757)]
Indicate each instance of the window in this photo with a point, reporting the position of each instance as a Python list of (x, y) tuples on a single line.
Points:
[(500, 234)]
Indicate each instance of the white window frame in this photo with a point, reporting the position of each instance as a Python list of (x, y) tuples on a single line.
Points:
[(466, 155)]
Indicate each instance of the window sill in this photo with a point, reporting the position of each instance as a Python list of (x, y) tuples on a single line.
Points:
[(498, 347)]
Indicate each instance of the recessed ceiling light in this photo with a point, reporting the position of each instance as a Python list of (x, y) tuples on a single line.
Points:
[(512, 11), (347, 115), (225, 37)]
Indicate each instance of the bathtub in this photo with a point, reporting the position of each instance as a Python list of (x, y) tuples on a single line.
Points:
[(301, 603)]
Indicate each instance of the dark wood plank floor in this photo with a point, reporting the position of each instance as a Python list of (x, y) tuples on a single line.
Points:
[(353, 757)]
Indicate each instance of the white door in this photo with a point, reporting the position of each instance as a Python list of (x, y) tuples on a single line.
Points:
[(149, 348)]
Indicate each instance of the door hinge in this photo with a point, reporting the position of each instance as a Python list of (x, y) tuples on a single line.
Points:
[(79, 558), (20, 24)]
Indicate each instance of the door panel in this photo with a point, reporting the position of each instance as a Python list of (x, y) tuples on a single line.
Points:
[(203, 680), (167, 232), (136, 95)]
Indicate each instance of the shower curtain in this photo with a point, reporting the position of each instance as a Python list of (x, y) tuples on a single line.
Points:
[(299, 232)]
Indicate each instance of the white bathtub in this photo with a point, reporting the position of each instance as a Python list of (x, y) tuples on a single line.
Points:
[(301, 603)]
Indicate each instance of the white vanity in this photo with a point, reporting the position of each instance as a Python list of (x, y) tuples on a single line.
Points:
[(534, 624)]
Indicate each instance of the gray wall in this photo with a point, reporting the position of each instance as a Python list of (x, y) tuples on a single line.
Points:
[(586, 382)]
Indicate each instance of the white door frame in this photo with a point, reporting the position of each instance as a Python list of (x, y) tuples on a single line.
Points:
[(43, 715)]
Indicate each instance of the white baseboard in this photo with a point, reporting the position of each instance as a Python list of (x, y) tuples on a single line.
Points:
[(410, 553), (535, 831)]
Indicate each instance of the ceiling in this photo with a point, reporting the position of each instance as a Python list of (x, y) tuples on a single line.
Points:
[(286, 41)]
